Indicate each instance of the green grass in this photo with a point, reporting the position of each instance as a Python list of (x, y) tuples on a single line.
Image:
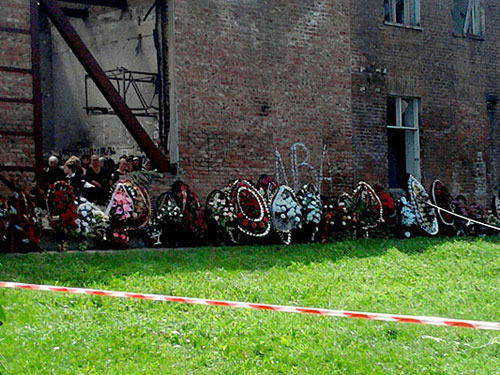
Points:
[(49, 333)]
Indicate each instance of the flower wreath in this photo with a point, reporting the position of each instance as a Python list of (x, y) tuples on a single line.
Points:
[(390, 214), (22, 226), (441, 197), (367, 206), (310, 201), (250, 208), (91, 220), (129, 206), (408, 215), (266, 186), (192, 211), (167, 217), (496, 206), (168, 210), (4, 221), (286, 213), (461, 207), (330, 214), (426, 215), (220, 216), (219, 208), (312, 209), (345, 218), (61, 204)]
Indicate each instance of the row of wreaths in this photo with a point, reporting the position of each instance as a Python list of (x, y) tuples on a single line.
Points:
[(241, 212)]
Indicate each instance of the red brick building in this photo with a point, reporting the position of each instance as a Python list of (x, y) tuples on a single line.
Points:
[(18, 143), (389, 87), (444, 55)]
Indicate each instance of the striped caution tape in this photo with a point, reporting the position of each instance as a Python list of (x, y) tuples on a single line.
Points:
[(427, 320)]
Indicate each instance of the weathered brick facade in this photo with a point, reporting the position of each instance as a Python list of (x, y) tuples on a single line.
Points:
[(17, 148), (254, 76), (453, 76), (251, 77)]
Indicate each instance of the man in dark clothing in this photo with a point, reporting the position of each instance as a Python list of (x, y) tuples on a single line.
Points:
[(96, 176), (123, 169), (52, 173)]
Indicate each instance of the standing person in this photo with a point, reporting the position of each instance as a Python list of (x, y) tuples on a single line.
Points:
[(74, 176), (123, 169), (85, 163), (96, 176), (148, 166), (52, 173), (136, 164)]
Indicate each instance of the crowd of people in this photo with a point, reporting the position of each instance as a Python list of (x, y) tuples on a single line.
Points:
[(90, 176)]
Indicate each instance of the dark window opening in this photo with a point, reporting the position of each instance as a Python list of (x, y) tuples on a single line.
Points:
[(397, 158), (402, 12)]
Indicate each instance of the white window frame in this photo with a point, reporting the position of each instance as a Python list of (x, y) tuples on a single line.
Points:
[(412, 133), (474, 19), (411, 13)]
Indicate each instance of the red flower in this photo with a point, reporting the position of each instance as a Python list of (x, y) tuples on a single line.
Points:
[(245, 222)]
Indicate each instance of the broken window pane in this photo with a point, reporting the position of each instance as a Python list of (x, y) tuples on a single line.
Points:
[(391, 111), (387, 11), (467, 17), (400, 11), (408, 112), (415, 12), (459, 13)]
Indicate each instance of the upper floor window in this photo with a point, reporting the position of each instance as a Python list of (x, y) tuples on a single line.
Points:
[(468, 17), (402, 12), (403, 145)]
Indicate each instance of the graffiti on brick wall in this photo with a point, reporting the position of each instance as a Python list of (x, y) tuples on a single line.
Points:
[(298, 165)]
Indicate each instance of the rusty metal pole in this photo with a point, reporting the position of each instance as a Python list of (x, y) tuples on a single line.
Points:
[(37, 90), (105, 86)]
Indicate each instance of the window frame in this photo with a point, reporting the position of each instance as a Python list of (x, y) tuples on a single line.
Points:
[(473, 25), (412, 133), (411, 14)]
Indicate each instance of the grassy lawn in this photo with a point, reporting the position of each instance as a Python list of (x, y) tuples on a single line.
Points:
[(48, 333)]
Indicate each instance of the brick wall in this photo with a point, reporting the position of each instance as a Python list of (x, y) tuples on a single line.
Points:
[(453, 76), (254, 76), (17, 149)]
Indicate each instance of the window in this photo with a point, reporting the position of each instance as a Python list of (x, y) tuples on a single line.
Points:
[(403, 118), (468, 17), (402, 12)]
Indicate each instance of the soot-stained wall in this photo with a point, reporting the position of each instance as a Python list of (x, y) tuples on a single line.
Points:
[(116, 38)]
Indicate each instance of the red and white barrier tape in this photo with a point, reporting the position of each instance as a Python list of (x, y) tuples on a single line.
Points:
[(429, 320)]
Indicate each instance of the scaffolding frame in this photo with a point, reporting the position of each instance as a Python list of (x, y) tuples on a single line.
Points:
[(127, 82)]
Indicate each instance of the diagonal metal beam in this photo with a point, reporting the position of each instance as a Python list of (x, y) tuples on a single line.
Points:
[(37, 90), (121, 4), (76, 13), (105, 86)]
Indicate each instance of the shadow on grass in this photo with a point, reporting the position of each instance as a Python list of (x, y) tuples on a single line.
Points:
[(82, 269)]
